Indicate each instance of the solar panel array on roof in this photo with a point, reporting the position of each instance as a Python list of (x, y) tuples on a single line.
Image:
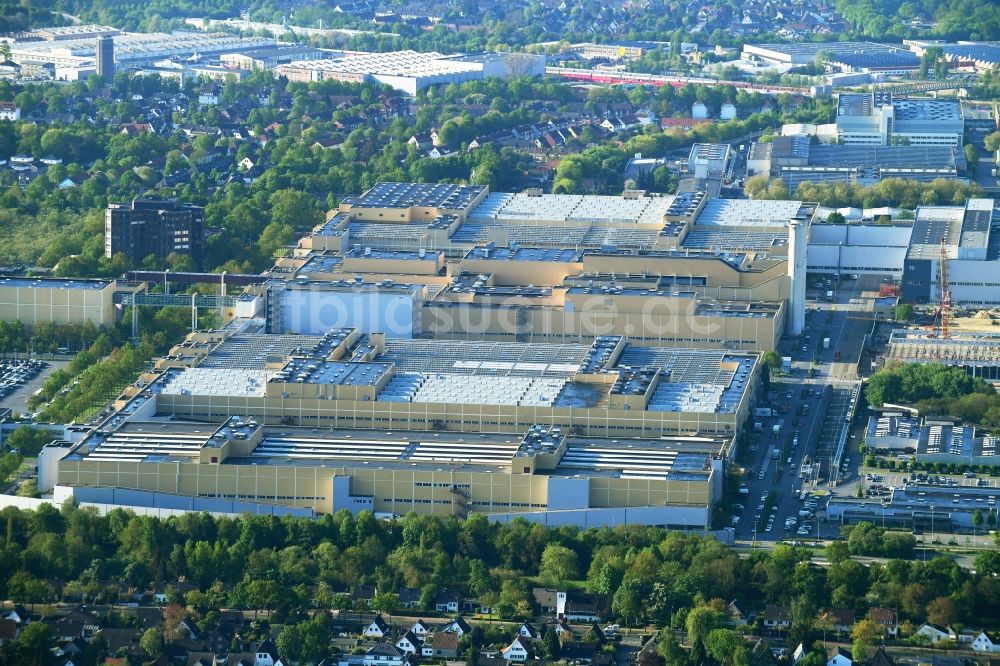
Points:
[(712, 238), (423, 195), (481, 357)]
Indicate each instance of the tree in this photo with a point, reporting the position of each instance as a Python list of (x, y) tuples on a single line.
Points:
[(865, 632), (700, 622), (904, 312), (772, 359), (32, 646), (151, 642), (551, 647), (727, 647), (941, 611), (977, 519), (559, 564), (992, 142), (835, 218)]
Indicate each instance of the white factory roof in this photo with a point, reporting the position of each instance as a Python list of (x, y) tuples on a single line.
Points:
[(136, 46), (584, 209), (241, 382), (393, 63), (748, 213)]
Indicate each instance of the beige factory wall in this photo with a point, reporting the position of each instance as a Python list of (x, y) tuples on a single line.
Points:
[(60, 306), (393, 490), (598, 421)]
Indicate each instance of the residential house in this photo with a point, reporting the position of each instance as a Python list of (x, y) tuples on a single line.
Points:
[(443, 645), (582, 653), (364, 594), (409, 597), (934, 633), (840, 657), (240, 659), (563, 629), (446, 600), (377, 628), (19, 613), (799, 652), (9, 631), (527, 631), (484, 660), (266, 654), (209, 94), (598, 633), (420, 629), (737, 616), (842, 620), (435, 153), (132, 129), (186, 628), (123, 639), (550, 602), (75, 648), (519, 650), (384, 653), (246, 164), (986, 642), (76, 624), (409, 643), (880, 658), (421, 142), (886, 619), (582, 611), (201, 659), (777, 618), (458, 626), (10, 111)]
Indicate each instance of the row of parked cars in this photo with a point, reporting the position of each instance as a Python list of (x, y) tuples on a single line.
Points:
[(15, 373)]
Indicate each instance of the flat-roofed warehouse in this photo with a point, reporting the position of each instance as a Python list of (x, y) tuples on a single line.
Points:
[(795, 160), (574, 434), (410, 71), (966, 235), (803, 53), (134, 48), (60, 301), (371, 381), (977, 353)]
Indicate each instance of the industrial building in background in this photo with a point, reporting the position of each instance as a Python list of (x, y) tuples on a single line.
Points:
[(880, 119), (154, 226), (106, 57)]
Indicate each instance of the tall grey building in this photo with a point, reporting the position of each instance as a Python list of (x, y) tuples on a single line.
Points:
[(106, 57), (154, 226)]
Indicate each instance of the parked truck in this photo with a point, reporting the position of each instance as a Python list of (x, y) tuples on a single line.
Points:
[(826, 343), (762, 411), (776, 428)]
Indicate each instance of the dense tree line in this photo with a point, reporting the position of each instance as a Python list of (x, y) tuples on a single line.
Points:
[(937, 389), (288, 565), (896, 192)]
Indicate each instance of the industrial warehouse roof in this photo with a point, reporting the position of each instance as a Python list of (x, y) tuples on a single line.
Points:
[(748, 213), (965, 227), (879, 59), (421, 195), (47, 283), (580, 208), (393, 63)]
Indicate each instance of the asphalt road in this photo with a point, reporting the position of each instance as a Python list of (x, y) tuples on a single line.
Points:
[(845, 321)]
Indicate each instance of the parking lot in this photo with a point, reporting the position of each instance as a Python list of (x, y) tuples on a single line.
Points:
[(21, 385)]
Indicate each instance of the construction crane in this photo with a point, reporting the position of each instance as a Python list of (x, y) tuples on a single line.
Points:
[(945, 331)]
